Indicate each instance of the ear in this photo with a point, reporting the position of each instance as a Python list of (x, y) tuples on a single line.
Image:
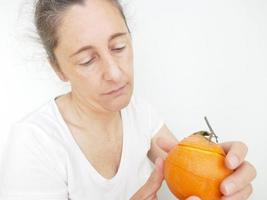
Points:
[(57, 69)]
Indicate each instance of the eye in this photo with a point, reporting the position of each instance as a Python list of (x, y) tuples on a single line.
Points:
[(119, 49), (87, 63)]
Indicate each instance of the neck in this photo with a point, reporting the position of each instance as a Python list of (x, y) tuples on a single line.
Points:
[(89, 117)]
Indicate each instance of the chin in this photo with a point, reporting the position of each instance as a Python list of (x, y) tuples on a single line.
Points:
[(115, 104)]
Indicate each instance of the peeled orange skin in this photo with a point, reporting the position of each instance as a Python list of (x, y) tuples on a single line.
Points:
[(196, 166)]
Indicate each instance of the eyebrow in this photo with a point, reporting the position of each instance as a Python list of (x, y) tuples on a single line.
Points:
[(87, 47)]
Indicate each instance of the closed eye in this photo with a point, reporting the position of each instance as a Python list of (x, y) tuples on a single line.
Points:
[(119, 49), (87, 63)]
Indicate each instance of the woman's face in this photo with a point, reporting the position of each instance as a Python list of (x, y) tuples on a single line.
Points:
[(94, 53)]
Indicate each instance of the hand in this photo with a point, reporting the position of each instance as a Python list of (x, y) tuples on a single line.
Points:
[(149, 190), (237, 186), (243, 173)]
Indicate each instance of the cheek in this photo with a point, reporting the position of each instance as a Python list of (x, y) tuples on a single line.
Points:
[(128, 63), (87, 84)]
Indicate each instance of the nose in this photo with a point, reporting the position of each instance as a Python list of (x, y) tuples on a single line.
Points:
[(112, 71)]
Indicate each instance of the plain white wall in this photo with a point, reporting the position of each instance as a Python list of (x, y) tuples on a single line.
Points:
[(192, 59)]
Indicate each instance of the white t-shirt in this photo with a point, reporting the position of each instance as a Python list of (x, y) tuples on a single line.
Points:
[(42, 161)]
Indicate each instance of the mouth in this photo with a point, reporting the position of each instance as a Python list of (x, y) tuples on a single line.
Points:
[(116, 91)]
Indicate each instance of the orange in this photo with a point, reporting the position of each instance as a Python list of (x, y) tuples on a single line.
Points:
[(196, 166)]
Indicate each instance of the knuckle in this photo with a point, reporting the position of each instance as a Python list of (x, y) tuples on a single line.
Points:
[(153, 179), (141, 195), (226, 198), (250, 190), (243, 146), (247, 192), (252, 169), (242, 195)]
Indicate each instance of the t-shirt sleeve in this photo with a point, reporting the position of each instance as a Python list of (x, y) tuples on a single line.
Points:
[(29, 171)]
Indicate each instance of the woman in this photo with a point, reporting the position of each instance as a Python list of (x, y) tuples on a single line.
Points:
[(94, 142)]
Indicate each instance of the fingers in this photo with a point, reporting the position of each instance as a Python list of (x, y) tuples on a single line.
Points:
[(149, 190), (239, 179), (236, 153), (241, 195), (166, 145), (152, 197)]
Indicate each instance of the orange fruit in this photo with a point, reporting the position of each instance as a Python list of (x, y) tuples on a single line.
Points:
[(196, 166)]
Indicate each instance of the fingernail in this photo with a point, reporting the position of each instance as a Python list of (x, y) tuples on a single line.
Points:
[(194, 198), (158, 163), (229, 188), (234, 161)]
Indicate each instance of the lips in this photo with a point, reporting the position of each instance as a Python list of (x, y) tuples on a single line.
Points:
[(114, 91)]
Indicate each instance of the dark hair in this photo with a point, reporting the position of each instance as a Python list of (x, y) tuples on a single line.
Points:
[(47, 18)]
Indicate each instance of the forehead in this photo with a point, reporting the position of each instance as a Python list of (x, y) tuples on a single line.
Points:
[(94, 21)]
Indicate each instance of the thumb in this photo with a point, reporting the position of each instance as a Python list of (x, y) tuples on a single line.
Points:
[(155, 180), (153, 184)]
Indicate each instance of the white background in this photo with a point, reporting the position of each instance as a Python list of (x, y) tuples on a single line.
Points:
[(192, 59)]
